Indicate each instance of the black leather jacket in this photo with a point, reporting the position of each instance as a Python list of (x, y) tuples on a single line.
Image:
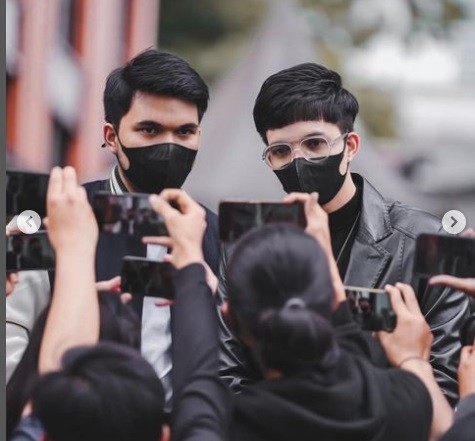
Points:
[(382, 252)]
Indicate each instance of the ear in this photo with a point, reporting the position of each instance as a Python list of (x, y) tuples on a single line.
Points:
[(110, 138), (353, 145), (165, 433)]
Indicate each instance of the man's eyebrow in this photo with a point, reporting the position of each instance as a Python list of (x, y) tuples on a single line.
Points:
[(308, 135), (188, 126), (148, 122)]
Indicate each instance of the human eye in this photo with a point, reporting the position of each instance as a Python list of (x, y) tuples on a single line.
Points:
[(280, 151), (186, 131), (315, 144), (149, 130)]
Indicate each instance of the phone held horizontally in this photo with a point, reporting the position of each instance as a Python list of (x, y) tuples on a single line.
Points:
[(145, 277), (236, 218), (128, 214), (371, 308)]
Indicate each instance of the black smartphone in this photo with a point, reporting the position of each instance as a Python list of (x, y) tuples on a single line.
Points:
[(128, 214), (236, 218), (26, 252), (25, 191), (144, 277), (439, 254), (371, 308)]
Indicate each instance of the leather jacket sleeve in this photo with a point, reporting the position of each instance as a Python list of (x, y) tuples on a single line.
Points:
[(445, 311), (236, 366)]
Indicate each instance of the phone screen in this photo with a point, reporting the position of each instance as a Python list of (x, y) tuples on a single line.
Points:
[(236, 218), (27, 252), (25, 191), (145, 277), (129, 214), (371, 308), (439, 254)]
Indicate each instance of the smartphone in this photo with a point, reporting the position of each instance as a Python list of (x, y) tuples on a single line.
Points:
[(144, 277), (439, 254), (128, 214), (371, 308), (236, 218), (25, 191), (26, 252)]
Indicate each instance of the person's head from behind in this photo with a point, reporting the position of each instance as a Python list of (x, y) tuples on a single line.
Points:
[(118, 324), (305, 117), (153, 109), (102, 392), (280, 298)]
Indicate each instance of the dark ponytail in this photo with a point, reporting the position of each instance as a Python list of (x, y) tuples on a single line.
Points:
[(281, 291), (295, 338)]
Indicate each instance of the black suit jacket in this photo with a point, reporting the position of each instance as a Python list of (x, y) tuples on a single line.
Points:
[(112, 248), (382, 253)]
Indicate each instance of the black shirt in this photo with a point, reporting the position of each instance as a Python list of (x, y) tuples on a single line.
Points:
[(343, 228)]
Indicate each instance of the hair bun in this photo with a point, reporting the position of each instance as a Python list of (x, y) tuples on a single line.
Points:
[(295, 338)]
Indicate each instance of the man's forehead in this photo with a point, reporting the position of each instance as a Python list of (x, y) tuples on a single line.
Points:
[(163, 110)]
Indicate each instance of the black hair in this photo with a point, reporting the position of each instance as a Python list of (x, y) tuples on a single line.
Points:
[(280, 289), (305, 92), (155, 73), (118, 323), (102, 392)]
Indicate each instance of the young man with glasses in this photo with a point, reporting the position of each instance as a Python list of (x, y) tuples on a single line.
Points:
[(305, 117)]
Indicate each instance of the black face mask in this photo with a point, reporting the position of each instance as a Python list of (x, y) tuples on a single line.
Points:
[(155, 167), (323, 177)]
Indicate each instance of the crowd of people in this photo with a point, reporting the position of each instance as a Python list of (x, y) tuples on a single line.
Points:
[(259, 342)]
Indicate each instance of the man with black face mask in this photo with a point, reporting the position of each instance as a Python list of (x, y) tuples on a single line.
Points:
[(153, 108), (305, 117)]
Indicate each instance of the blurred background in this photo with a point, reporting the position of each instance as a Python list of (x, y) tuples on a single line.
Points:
[(410, 63)]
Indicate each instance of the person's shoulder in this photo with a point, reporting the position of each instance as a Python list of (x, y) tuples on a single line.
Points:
[(412, 221), (211, 216), (209, 213), (95, 185)]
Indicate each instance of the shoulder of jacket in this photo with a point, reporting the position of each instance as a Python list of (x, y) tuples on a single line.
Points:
[(412, 221)]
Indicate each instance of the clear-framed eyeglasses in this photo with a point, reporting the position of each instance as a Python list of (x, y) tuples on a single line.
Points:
[(313, 148)]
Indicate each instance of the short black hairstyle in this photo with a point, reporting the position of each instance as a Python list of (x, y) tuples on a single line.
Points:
[(155, 73), (102, 392), (304, 92)]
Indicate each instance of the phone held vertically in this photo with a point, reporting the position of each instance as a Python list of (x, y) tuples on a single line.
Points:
[(371, 308), (145, 277), (236, 218), (128, 214)]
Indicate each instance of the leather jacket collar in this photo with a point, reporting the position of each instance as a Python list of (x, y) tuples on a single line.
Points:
[(368, 259)]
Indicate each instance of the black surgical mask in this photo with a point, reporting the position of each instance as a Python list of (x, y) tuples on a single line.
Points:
[(155, 167), (323, 177)]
